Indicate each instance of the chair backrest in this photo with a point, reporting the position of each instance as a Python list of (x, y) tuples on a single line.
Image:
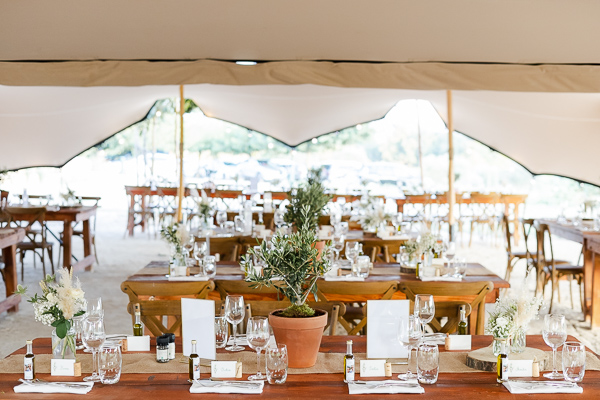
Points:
[(246, 289), (246, 242), (388, 248), (529, 230), (227, 247), (159, 300), (473, 293), (27, 218), (545, 252), (507, 235), (373, 251), (3, 198)]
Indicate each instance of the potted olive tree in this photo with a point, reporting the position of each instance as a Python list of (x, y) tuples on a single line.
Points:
[(292, 266), (312, 195)]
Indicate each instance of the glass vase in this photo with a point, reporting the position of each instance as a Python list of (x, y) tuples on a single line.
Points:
[(64, 348), (519, 341), (497, 345)]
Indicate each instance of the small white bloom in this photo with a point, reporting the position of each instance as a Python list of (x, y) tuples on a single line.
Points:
[(501, 322)]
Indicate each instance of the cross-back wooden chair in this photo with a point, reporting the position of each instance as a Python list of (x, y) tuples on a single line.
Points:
[(262, 308), (228, 248), (553, 270), (372, 250), (225, 288), (3, 198), (159, 300), (33, 220), (389, 248), (247, 242), (355, 318), (453, 296), (513, 256), (484, 212)]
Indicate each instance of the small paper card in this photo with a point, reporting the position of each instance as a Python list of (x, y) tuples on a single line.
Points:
[(138, 343), (372, 368), (59, 367), (458, 342), (384, 317), (198, 323), (520, 368), (225, 369)]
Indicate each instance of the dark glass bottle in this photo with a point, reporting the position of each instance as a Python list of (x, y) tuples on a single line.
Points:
[(194, 363), (463, 325), (138, 328), (29, 362), (502, 363), (349, 362)]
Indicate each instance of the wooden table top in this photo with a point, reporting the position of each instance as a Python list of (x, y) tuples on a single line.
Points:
[(10, 236), (570, 231), (306, 386), (65, 213)]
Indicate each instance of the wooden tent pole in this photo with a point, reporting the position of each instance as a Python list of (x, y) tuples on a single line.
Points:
[(181, 191), (451, 191)]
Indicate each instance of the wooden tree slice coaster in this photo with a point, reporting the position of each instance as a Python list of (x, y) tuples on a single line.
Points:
[(485, 360), (408, 270)]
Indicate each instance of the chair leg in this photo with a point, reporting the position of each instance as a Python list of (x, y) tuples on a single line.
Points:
[(95, 252), (571, 290), (43, 258), (22, 266), (509, 268), (51, 255)]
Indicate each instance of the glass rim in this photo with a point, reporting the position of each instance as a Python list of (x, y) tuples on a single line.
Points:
[(573, 343), (426, 345), (277, 347)]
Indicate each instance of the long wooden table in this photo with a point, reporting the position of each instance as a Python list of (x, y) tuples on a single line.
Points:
[(480, 385), (9, 238), (68, 216), (590, 241)]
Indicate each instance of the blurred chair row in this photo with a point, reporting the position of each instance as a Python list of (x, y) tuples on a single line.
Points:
[(160, 302)]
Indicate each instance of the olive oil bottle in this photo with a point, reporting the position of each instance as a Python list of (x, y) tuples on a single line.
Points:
[(138, 328), (349, 363), (502, 363), (463, 326), (194, 363), (29, 363)]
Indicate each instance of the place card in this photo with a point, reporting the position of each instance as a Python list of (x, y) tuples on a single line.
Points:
[(371, 368), (60, 367), (458, 342), (198, 323), (226, 369), (137, 343), (520, 368), (384, 317)]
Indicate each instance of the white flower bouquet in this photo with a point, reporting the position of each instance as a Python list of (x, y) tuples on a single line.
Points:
[(205, 209), (512, 314), (372, 216), (176, 235)]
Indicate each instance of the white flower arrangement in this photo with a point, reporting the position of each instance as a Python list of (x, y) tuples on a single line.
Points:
[(512, 314), (426, 242), (372, 216), (61, 300), (69, 196), (176, 235), (205, 209)]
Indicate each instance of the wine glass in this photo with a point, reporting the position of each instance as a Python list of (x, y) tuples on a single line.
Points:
[(555, 334), (278, 218), (188, 246), (221, 218), (234, 314), (396, 221), (424, 308), (451, 251), (257, 333), (409, 335), (94, 307), (352, 251), (93, 337), (200, 252), (338, 245), (210, 266)]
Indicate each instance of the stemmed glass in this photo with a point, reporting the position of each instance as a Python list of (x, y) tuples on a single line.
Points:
[(338, 245), (555, 334), (257, 333), (352, 251), (409, 335), (278, 218), (200, 253), (221, 218), (424, 309), (396, 221), (188, 246), (234, 314), (93, 337), (94, 307)]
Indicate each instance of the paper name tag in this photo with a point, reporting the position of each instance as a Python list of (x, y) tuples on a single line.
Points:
[(520, 368), (372, 368), (138, 343), (226, 369), (59, 367), (458, 342)]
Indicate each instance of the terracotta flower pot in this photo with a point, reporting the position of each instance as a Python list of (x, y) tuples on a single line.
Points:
[(302, 336), (319, 245)]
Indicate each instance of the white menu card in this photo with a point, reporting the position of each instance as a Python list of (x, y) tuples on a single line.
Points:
[(198, 323), (383, 318)]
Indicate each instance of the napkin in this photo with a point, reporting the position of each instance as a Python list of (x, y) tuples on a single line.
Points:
[(187, 278), (441, 279), (241, 340), (242, 387), (348, 278), (393, 386), (516, 387), (54, 387)]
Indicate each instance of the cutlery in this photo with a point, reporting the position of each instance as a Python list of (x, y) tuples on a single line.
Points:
[(377, 385), (545, 383), (38, 382)]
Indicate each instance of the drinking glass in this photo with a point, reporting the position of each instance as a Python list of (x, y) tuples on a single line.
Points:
[(221, 332), (352, 251), (229, 227), (555, 334), (238, 222), (428, 363), (451, 251), (221, 218), (188, 246), (338, 245), (424, 308), (397, 222), (460, 268), (110, 362), (199, 254), (257, 333), (363, 265), (234, 313), (573, 361), (94, 307), (277, 364), (409, 335), (278, 218), (210, 266), (93, 337), (78, 327)]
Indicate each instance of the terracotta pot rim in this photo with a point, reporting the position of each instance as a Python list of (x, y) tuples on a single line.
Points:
[(306, 323)]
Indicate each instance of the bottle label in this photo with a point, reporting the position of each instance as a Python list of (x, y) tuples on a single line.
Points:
[(504, 376), (162, 354), (196, 368), (171, 351), (28, 365), (350, 369)]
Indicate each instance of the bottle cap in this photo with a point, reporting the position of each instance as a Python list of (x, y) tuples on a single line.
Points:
[(349, 342), (137, 313), (171, 337), (29, 342), (193, 342), (162, 341)]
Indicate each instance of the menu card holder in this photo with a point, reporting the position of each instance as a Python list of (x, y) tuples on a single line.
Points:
[(383, 317), (198, 323)]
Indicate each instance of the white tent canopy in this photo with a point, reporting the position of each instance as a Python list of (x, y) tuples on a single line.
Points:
[(524, 74)]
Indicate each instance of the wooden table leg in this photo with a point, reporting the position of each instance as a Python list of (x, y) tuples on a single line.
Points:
[(87, 242), (9, 256), (131, 220), (592, 288), (67, 236)]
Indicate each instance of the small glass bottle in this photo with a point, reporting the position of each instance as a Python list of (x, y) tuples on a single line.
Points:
[(171, 346), (349, 363), (419, 269), (502, 363), (463, 326), (138, 328), (29, 362), (260, 219), (162, 349), (194, 363)]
